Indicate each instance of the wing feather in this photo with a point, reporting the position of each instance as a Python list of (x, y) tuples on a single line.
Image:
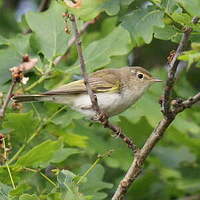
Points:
[(100, 81)]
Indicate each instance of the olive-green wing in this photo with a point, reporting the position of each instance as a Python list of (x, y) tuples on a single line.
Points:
[(100, 81)]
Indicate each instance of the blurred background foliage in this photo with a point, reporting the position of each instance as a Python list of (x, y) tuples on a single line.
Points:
[(50, 146)]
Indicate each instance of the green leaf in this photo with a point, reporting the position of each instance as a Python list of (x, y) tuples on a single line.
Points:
[(23, 125), (8, 24), (192, 6), (167, 33), (54, 196), (167, 173), (64, 119), (40, 155), (140, 23), (68, 187), (49, 30), (174, 157), (126, 2), (19, 190), (189, 186), (195, 37), (148, 186), (98, 53), (75, 140), (120, 158), (180, 138), (191, 56), (139, 131), (63, 154), (28, 197), (169, 6), (195, 46), (95, 184), (185, 20), (12, 55), (64, 178), (3, 40), (89, 9), (4, 191)]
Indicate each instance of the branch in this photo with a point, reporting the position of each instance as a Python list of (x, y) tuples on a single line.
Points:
[(186, 104), (102, 118), (72, 41), (82, 65), (7, 100), (158, 132), (172, 72), (5, 156)]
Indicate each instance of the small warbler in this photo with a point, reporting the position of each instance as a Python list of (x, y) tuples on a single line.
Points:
[(116, 90)]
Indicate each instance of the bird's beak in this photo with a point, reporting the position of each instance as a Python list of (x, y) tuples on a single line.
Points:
[(156, 80)]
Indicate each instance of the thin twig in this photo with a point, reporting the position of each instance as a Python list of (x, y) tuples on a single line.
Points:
[(36, 83), (82, 65), (6, 163), (48, 179), (7, 100), (156, 135), (172, 73), (187, 103), (72, 41), (103, 119), (43, 175), (99, 158)]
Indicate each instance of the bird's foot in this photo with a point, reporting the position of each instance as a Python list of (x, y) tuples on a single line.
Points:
[(103, 118), (117, 133), (100, 117)]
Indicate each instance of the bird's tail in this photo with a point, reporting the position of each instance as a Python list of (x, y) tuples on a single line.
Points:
[(30, 98)]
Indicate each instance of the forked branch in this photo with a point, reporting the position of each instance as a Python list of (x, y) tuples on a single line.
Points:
[(168, 118), (172, 73)]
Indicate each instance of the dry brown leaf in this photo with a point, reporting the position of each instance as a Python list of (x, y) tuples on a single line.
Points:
[(17, 71), (25, 66)]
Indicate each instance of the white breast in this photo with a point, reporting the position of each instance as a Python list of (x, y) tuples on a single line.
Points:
[(111, 103)]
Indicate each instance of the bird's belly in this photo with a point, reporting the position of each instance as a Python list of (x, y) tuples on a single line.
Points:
[(110, 103)]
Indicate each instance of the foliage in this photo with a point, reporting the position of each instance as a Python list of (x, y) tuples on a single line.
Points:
[(50, 150)]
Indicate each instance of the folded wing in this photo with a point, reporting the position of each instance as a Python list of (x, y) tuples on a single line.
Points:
[(100, 81)]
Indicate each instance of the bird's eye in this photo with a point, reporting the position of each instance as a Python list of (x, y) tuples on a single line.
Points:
[(140, 76)]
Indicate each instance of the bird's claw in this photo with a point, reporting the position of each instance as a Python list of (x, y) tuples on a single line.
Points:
[(101, 117), (117, 134)]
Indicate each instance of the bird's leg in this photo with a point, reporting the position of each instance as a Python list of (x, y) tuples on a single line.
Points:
[(103, 118)]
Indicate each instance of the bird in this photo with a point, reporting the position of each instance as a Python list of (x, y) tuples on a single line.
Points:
[(116, 90)]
